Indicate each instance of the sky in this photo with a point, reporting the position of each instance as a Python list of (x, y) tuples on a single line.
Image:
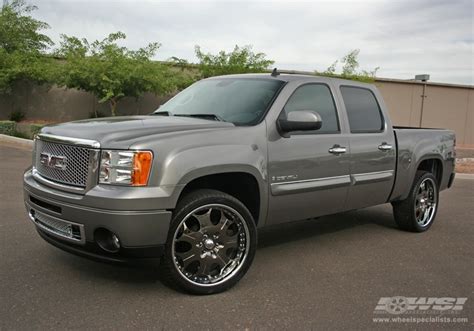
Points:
[(402, 38)]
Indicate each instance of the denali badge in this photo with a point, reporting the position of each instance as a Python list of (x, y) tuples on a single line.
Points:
[(53, 161)]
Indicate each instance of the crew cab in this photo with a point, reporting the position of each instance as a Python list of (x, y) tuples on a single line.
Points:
[(192, 182)]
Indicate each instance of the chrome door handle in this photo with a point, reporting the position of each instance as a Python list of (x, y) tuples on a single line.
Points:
[(336, 149), (385, 147)]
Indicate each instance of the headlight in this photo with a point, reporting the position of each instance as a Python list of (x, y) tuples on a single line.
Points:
[(125, 167)]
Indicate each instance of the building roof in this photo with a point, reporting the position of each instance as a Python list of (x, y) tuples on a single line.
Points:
[(379, 79)]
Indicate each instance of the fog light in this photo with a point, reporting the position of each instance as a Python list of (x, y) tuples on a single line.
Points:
[(107, 240)]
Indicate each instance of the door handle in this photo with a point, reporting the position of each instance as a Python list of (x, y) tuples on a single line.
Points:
[(336, 149), (385, 147)]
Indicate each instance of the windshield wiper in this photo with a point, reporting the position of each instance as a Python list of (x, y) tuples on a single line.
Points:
[(161, 113), (213, 117)]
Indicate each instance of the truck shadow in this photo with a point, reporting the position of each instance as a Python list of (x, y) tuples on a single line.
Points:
[(141, 273), (294, 231)]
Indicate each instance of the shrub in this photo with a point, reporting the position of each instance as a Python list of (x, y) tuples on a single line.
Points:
[(35, 129), (16, 116), (350, 66), (20, 134), (7, 127)]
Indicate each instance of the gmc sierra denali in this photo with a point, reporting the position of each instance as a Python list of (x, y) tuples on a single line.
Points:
[(192, 182)]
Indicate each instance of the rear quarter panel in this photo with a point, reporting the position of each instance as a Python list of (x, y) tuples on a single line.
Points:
[(416, 145)]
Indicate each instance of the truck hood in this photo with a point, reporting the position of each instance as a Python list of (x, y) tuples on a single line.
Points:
[(122, 131)]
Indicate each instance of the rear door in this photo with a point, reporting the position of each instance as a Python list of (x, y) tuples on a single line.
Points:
[(372, 144)]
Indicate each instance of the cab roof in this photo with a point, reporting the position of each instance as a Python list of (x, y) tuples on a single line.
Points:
[(284, 77)]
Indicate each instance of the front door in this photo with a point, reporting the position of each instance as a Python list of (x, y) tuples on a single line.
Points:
[(309, 171)]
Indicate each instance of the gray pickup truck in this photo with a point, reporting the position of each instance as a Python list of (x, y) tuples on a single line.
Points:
[(192, 182)]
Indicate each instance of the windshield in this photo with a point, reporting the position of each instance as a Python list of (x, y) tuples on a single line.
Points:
[(242, 101)]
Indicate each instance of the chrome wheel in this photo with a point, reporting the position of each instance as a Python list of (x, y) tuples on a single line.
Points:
[(210, 244), (425, 202)]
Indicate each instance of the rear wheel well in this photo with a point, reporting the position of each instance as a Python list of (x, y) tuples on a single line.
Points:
[(434, 166), (240, 185)]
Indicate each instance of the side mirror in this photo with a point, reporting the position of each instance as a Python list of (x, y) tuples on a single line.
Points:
[(299, 121)]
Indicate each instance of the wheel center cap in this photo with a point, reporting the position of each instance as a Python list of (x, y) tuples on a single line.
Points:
[(209, 243)]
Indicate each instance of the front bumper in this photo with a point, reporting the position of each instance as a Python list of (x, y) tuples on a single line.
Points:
[(92, 251), (142, 233)]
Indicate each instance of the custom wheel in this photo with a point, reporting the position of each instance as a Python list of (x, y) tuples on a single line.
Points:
[(211, 243), (418, 211), (425, 202)]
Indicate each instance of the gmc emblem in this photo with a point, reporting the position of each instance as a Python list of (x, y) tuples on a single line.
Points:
[(53, 161)]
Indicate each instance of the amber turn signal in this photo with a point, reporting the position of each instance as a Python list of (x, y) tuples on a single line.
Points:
[(141, 168)]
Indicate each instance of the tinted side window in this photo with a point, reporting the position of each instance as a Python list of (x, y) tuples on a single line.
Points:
[(318, 98), (362, 109)]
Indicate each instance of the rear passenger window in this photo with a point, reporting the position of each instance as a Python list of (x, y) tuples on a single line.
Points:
[(317, 98), (362, 109)]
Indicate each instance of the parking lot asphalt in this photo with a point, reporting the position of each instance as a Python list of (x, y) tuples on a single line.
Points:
[(327, 273)]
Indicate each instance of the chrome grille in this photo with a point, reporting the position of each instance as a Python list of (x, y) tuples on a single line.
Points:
[(77, 163), (54, 225), (60, 228)]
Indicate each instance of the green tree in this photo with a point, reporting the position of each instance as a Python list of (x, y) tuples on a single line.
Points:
[(240, 60), (23, 46), (185, 73), (350, 66), (112, 72)]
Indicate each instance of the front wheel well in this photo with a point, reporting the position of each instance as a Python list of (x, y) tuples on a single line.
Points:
[(434, 166), (240, 185)]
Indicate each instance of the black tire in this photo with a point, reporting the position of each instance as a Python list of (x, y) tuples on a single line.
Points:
[(172, 265), (406, 211)]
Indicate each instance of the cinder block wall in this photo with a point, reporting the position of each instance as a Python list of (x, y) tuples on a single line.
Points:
[(445, 106), (61, 105)]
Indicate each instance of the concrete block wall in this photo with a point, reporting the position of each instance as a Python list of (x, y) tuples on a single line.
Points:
[(445, 105)]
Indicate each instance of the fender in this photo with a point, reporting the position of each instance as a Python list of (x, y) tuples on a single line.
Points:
[(430, 157), (187, 165)]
